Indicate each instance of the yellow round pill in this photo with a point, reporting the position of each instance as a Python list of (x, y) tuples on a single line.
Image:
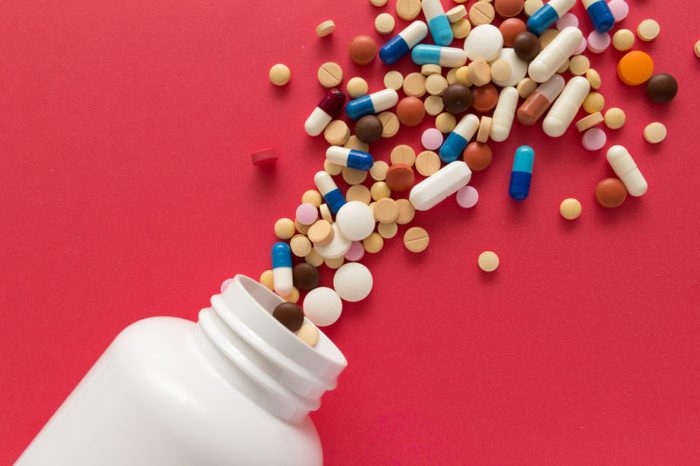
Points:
[(594, 102), (655, 132), (615, 118), (280, 74), (648, 30), (570, 208), (623, 40), (488, 261)]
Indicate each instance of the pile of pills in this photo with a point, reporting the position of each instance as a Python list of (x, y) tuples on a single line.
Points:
[(520, 60)]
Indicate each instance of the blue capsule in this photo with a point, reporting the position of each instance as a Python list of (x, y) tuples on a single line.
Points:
[(522, 173), (371, 104), (351, 158), (281, 255), (282, 277), (548, 14), (438, 23), (600, 14), (329, 190), (403, 42), (458, 139)]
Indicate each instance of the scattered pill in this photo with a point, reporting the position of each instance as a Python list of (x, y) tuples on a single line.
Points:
[(458, 139), (369, 129), (355, 220), (393, 80), (531, 6), (414, 85), (508, 8), (461, 28), (610, 193), (308, 334), (522, 173), (371, 104), (488, 260), (484, 41), (356, 87), (336, 133), (566, 106), (445, 122), (380, 190), (619, 9), (438, 187), (400, 177), (384, 23), (457, 98), (330, 74), (408, 9), (526, 87), (410, 111), (438, 23), (435, 84), (337, 247), (484, 98), (626, 169), (548, 14), (378, 3), (457, 13), (290, 315), (324, 112), (655, 132), (306, 276), (662, 88), (284, 228), (481, 13), (431, 138), (478, 156), (404, 41), (555, 55), (598, 42), (353, 282), (589, 121), (374, 243), (280, 74), (635, 68), (330, 192), (510, 28), (479, 72), (353, 176), (403, 154), (427, 163), (264, 157), (623, 40), (569, 19), (696, 49), (467, 197), (615, 118), (594, 102), (321, 232), (266, 280), (314, 258), (593, 78), (362, 49), (386, 210), (416, 239), (312, 197), (570, 208), (594, 139), (504, 114), (485, 124), (282, 268), (326, 28), (307, 214), (648, 30), (356, 251), (323, 306)]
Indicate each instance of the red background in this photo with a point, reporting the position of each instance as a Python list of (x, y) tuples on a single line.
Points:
[(126, 191)]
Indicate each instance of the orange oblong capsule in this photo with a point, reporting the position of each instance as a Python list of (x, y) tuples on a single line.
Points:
[(539, 101)]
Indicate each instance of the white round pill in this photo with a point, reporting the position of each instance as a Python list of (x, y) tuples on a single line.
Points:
[(353, 282), (338, 246), (322, 306), (355, 220), (485, 41)]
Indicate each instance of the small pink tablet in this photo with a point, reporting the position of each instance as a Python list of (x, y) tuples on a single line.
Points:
[(619, 9), (356, 251), (581, 46), (467, 197), (569, 19), (598, 42), (431, 139), (307, 213), (594, 139)]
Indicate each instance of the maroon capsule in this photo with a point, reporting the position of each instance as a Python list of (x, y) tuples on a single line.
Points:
[(324, 112)]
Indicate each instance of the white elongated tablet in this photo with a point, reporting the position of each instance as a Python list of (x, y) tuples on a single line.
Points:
[(565, 107), (626, 169), (504, 114), (438, 187), (553, 56)]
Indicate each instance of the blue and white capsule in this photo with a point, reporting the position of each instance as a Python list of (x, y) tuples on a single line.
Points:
[(350, 158), (450, 57), (403, 42), (438, 23), (329, 190), (522, 173), (282, 277), (371, 104), (548, 14), (458, 139), (600, 14)]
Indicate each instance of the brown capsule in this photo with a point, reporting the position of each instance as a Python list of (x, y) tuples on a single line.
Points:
[(363, 50), (478, 156), (369, 129), (526, 45), (400, 177), (290, 315), (484, 98), (457, 98), (306, 276), (610, 193)]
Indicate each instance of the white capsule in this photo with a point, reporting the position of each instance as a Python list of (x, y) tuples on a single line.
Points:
[(438, 187), (565, 107), (626, 169), (504, 114), (414, 33), (549, 60), (467, 126), (324, 182), (384, 100)]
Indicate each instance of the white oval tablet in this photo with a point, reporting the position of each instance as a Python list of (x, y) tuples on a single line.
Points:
[(518, 68), (355, 220), (353, 282), (484, 41), (338, 246), (322, 306), (438, 187)]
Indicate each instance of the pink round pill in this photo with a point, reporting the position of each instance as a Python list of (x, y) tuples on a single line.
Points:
[(225, 284), (307, 213), (598, 41), (569, 19), (581, 46), (619, 9), (431, 138), (467, 197), (356, 251), (594, 139)]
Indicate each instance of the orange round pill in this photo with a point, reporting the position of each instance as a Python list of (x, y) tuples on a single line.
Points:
[(635, 68)]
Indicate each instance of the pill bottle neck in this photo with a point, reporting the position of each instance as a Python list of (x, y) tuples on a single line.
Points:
[(261, 358)]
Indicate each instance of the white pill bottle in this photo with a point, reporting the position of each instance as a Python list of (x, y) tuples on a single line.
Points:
[(235, 388)]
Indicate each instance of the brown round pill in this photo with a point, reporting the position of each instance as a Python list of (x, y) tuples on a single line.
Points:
[(478, 156), (457, 98), (511, 28), (400, 177), (526, 45), (306, 276), (369, 128), (410, 111), (363, 49), (484, 98), (610, 193), (290, 315), (508, 8), (662, 88)]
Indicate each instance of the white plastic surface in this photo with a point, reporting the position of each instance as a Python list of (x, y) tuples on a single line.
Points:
[(169, 392)]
